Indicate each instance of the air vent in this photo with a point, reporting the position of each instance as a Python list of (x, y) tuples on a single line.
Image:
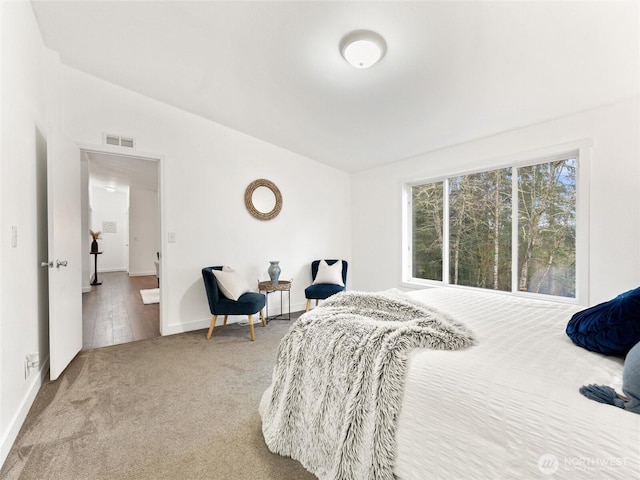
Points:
[(111, 140), (119, 141), (126, 142)]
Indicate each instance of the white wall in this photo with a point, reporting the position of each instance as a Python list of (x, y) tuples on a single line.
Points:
[(23, 128), (614, 237), (109, 207), (205, 168), (144, 231)]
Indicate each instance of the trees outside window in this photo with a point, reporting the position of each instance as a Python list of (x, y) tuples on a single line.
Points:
[(427, 230), (547, 228), (463, 229), (480, 230)]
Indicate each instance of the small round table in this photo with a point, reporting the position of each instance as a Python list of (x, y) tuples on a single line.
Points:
[(281, 286)]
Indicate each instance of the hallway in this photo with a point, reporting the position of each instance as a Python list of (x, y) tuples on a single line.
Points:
[(113, 313)]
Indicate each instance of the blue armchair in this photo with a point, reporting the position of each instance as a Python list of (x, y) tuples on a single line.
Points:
[(247, 304), (322, 291)]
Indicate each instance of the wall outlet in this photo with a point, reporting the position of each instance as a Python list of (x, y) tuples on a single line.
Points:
[(31, 360), (34, 360)]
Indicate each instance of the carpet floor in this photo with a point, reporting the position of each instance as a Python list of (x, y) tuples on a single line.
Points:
[(174, 407)]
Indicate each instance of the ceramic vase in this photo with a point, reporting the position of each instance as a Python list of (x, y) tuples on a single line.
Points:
[(94, 246), (274, 271)]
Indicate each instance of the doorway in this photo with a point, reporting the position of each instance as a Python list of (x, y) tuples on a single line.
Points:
[(122, 208), (42, 240), (114, 312)]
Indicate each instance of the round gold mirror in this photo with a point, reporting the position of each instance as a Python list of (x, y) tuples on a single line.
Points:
[(263, 199)]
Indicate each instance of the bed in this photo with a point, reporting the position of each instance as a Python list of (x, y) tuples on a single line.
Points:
[(509, 405)]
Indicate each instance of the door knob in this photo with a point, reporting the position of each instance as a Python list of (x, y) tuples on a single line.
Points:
[(46, 264), (62, 263)]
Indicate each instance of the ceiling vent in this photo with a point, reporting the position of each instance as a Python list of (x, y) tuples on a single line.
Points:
[(118, 141)]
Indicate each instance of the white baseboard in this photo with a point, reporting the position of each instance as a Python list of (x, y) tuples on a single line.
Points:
[(274, 306), (109, 270), (176, 328), (7, 439), (142, 274)]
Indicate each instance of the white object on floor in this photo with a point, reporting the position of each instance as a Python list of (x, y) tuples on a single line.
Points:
[(151, 295)]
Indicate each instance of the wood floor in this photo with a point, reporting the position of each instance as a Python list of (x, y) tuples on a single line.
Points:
[(113, 312)]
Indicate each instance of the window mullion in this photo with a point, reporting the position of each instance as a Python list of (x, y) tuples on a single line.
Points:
[(514, 230), (445, 231)]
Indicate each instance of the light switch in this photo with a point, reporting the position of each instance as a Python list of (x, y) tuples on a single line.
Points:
[(172, 237), (14, 236)]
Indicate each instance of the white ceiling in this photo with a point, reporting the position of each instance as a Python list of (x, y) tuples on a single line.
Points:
[(121, 172), (453, 71)]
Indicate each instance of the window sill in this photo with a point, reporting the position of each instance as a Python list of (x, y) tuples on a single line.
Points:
[(418, 284)]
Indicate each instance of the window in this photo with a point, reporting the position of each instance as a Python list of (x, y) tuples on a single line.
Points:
[(508, 229), (547, 228), (427, 230), (480, 230)]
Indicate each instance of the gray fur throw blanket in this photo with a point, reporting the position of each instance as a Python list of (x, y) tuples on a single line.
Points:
[(338, 382)]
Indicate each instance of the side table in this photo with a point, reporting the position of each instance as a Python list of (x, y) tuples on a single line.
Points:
[(282, 286), (95, 267)]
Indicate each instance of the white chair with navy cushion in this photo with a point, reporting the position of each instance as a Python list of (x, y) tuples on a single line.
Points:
[(329, 277)]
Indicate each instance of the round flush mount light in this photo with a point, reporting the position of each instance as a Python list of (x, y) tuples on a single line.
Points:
[(362, 48)]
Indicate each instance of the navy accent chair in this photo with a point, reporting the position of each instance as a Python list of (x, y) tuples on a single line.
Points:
[(248, 303), (323, 291)]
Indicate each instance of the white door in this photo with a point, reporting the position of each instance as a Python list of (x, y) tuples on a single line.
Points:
[(65, 253)]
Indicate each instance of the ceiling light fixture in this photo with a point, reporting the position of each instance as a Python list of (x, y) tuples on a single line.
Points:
[(362, 48), (111, 189)]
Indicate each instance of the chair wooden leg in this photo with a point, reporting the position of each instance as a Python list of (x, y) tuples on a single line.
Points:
[(317, 302), (264, 320), (253, 337), (225, 319), (213, 324), (308, 305)]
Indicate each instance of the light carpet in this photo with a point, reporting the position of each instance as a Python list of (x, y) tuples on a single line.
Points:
[(174, 407), (150, 295)]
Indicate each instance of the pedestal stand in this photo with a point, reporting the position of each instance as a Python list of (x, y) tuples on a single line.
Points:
[(95, 268)]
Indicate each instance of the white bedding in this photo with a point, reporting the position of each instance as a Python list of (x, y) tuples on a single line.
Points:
[(509, 407)]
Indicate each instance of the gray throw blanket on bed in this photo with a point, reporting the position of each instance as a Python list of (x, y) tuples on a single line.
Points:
[(339, 380)]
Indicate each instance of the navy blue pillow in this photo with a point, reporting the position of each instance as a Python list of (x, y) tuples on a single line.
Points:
[(612, 327)]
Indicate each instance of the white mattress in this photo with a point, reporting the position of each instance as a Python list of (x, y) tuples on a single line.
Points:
[(509, 407)]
